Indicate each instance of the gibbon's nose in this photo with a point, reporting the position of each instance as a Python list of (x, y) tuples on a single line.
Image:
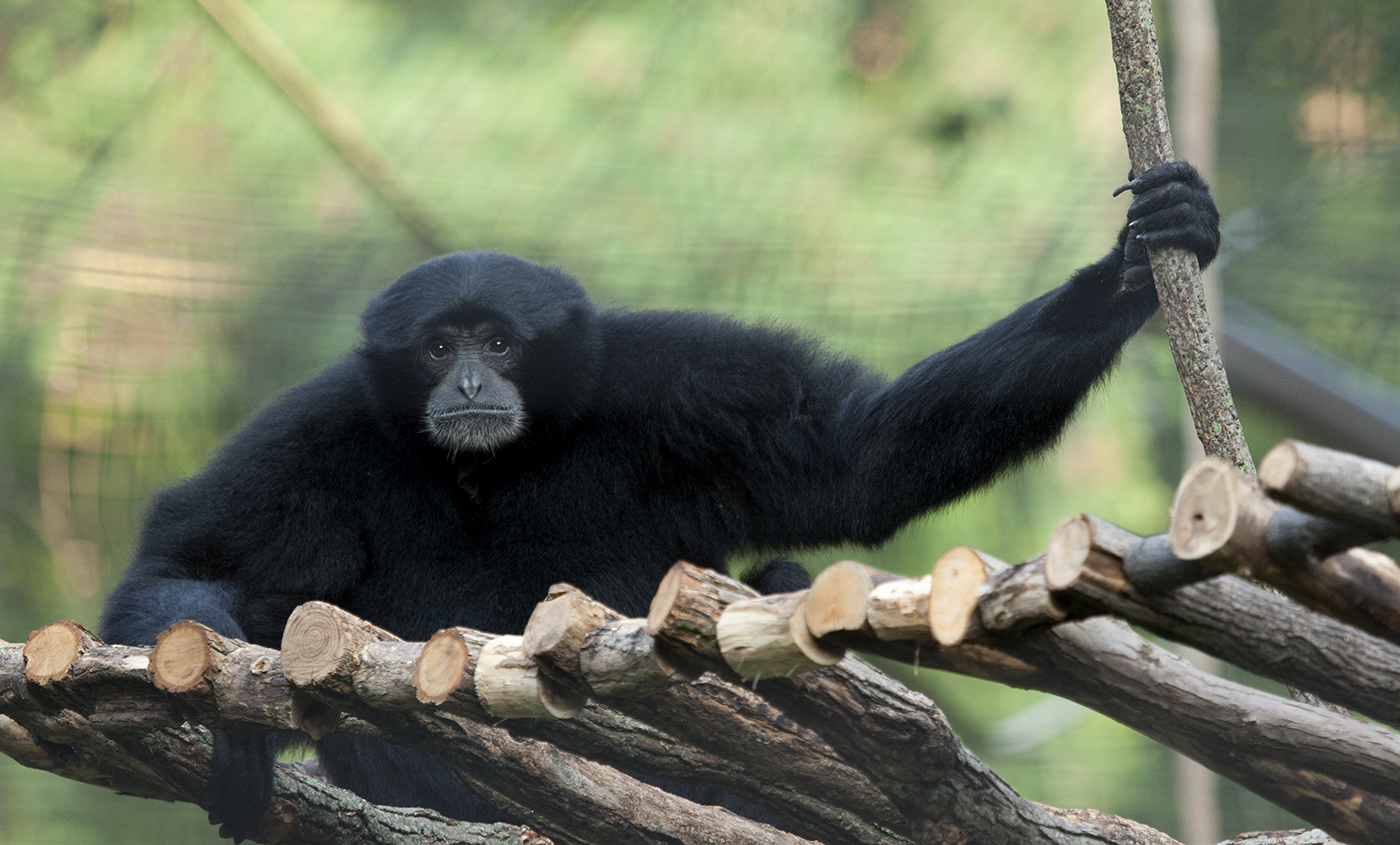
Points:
[(470, 385)]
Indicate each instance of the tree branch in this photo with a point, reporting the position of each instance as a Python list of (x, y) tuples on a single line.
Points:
[(1179, 290)]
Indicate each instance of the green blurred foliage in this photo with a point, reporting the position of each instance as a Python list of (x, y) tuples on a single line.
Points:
[(177, 243)]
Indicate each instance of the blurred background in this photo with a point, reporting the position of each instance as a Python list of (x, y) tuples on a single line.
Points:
[(197, 200)]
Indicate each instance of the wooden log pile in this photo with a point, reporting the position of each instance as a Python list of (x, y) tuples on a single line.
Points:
[(764, 698)]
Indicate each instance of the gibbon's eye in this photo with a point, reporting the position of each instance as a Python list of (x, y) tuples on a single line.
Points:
[(498, 346), (438, 350)]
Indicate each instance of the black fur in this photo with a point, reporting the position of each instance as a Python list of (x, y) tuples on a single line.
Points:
[(651, 437)]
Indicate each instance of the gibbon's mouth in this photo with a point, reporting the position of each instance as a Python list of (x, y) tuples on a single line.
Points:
[(472, 411)]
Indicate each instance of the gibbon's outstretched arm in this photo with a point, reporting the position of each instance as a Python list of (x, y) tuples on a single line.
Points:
[(959, 417)]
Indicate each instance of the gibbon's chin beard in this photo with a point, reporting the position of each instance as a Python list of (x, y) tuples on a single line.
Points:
[(474, 428)]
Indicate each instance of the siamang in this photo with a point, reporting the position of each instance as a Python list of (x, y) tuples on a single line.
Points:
[(496, 433)]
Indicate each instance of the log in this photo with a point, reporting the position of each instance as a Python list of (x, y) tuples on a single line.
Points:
[(766, 780), (221, 682), (1283, 837), (1224, 521), (371, 661), (390, 661), (321, 643), (1338, 485), (1259, 631), (304, 809), (558, 626), (768, 637), (446, 670), (907, 746), (958, 577), (556, 791), (382, 681), (795, 775), (510, 685), (1153, 569), (899, 609), (321, 649), (1218, 518), (1087, 549), (618, 660), (838, 600), (24, 747), (187, 654), (605, 736), (683, 614), (901, 740), (734, 723), (977, 595), (1322, 766), (1017, 598), (115, 687), (247, 687), (51, 651), (383, 676), (12, 686), (569, 797)]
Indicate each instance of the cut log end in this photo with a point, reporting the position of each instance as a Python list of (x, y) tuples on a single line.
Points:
[(53, 649), (445, 666), (684, 609), (837, 599), (319, 643), (952, 604), (1279, 466), (820, 653), (548, 625), (1205, 510), (558, 700), (1068, 550), (182, 656), (665, 598), (559, 625), (319, 639)]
